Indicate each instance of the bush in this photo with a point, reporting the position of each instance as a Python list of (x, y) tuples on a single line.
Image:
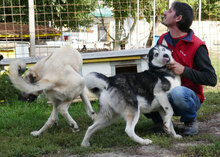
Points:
[(8, 92)]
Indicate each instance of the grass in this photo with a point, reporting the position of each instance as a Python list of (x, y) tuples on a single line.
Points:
[(18, 119)]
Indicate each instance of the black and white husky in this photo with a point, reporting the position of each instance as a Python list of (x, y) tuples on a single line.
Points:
[(128, 95)]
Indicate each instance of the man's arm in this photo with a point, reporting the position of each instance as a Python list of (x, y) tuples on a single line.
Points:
[(205, 74)]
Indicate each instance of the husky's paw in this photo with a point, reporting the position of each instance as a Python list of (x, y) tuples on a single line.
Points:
[(85, 144), (177, 136), (167, 129), (56, 123), (35, 133), (147, 141), (93, 116)]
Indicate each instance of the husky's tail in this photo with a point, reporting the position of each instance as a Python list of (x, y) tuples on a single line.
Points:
[(17, 68), (96, 82)]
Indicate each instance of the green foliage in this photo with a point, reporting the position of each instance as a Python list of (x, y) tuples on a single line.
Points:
[(210, 8), (19, 11), (7, 91), (66, 13)]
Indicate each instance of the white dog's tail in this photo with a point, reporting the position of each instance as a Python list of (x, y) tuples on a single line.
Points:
[(96, 82), (17, 68)]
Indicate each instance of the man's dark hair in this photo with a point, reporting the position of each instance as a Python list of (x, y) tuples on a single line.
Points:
[(187, 15)]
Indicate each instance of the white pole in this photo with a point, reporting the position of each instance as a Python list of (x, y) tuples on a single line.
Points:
[(137, 26), (154, 22), (200, 9), (31, 27), (200, 12), (170, 3)]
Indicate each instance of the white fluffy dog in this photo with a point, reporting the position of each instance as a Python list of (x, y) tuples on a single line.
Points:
[(57, 75)]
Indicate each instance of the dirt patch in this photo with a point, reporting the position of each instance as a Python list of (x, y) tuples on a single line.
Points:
[(211, 126)]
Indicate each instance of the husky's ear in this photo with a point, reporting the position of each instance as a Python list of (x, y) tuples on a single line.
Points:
[(145, 57)]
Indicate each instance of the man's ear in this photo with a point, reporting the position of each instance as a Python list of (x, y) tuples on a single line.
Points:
[(179, 18)]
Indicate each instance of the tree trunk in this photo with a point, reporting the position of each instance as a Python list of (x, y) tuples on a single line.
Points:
[(150, 38), (116, 44)]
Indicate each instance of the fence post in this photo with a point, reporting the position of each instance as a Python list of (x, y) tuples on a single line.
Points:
[(31, 27), (137, 26)]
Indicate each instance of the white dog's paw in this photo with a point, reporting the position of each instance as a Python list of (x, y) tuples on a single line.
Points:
[(35, 133), (177, 136), (85, 144), (147, 141)]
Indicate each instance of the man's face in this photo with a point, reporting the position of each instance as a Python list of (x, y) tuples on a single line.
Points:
[(169, 18)]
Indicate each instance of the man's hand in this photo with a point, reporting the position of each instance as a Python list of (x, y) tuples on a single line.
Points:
[(176, 67)]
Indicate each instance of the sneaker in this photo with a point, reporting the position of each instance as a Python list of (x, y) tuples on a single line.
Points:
[(191, 128)]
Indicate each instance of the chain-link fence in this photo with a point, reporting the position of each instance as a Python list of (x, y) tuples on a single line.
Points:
[(92, 26)]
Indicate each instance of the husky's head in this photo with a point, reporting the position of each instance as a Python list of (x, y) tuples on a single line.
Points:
[(159, 56)]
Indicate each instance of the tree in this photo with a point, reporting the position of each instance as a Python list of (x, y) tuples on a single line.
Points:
[(161, 6), (210, 8), (60, 13), (122, 10), (13, 11)]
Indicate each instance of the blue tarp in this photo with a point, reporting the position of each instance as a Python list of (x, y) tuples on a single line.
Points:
[(105, 12)]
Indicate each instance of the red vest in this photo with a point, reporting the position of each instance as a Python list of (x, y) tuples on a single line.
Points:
[(184, 52)]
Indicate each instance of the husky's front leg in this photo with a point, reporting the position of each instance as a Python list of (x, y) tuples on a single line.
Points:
[(166, 114), (169, 129), (51, 120), (89, 110)]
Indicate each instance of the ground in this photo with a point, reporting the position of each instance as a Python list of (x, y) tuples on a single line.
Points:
[(211, 126)]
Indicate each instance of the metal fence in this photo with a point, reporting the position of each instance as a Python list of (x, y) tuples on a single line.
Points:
[(36, 27)]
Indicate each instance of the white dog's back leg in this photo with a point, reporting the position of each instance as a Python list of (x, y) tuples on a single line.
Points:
[(132, 118), (51, 120), (63, 109), (87, 104)]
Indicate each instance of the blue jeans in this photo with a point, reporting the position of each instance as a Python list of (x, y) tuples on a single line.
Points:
[(185, 104)]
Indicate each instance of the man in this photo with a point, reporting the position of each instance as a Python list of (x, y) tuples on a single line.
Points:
[(192, 64)]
